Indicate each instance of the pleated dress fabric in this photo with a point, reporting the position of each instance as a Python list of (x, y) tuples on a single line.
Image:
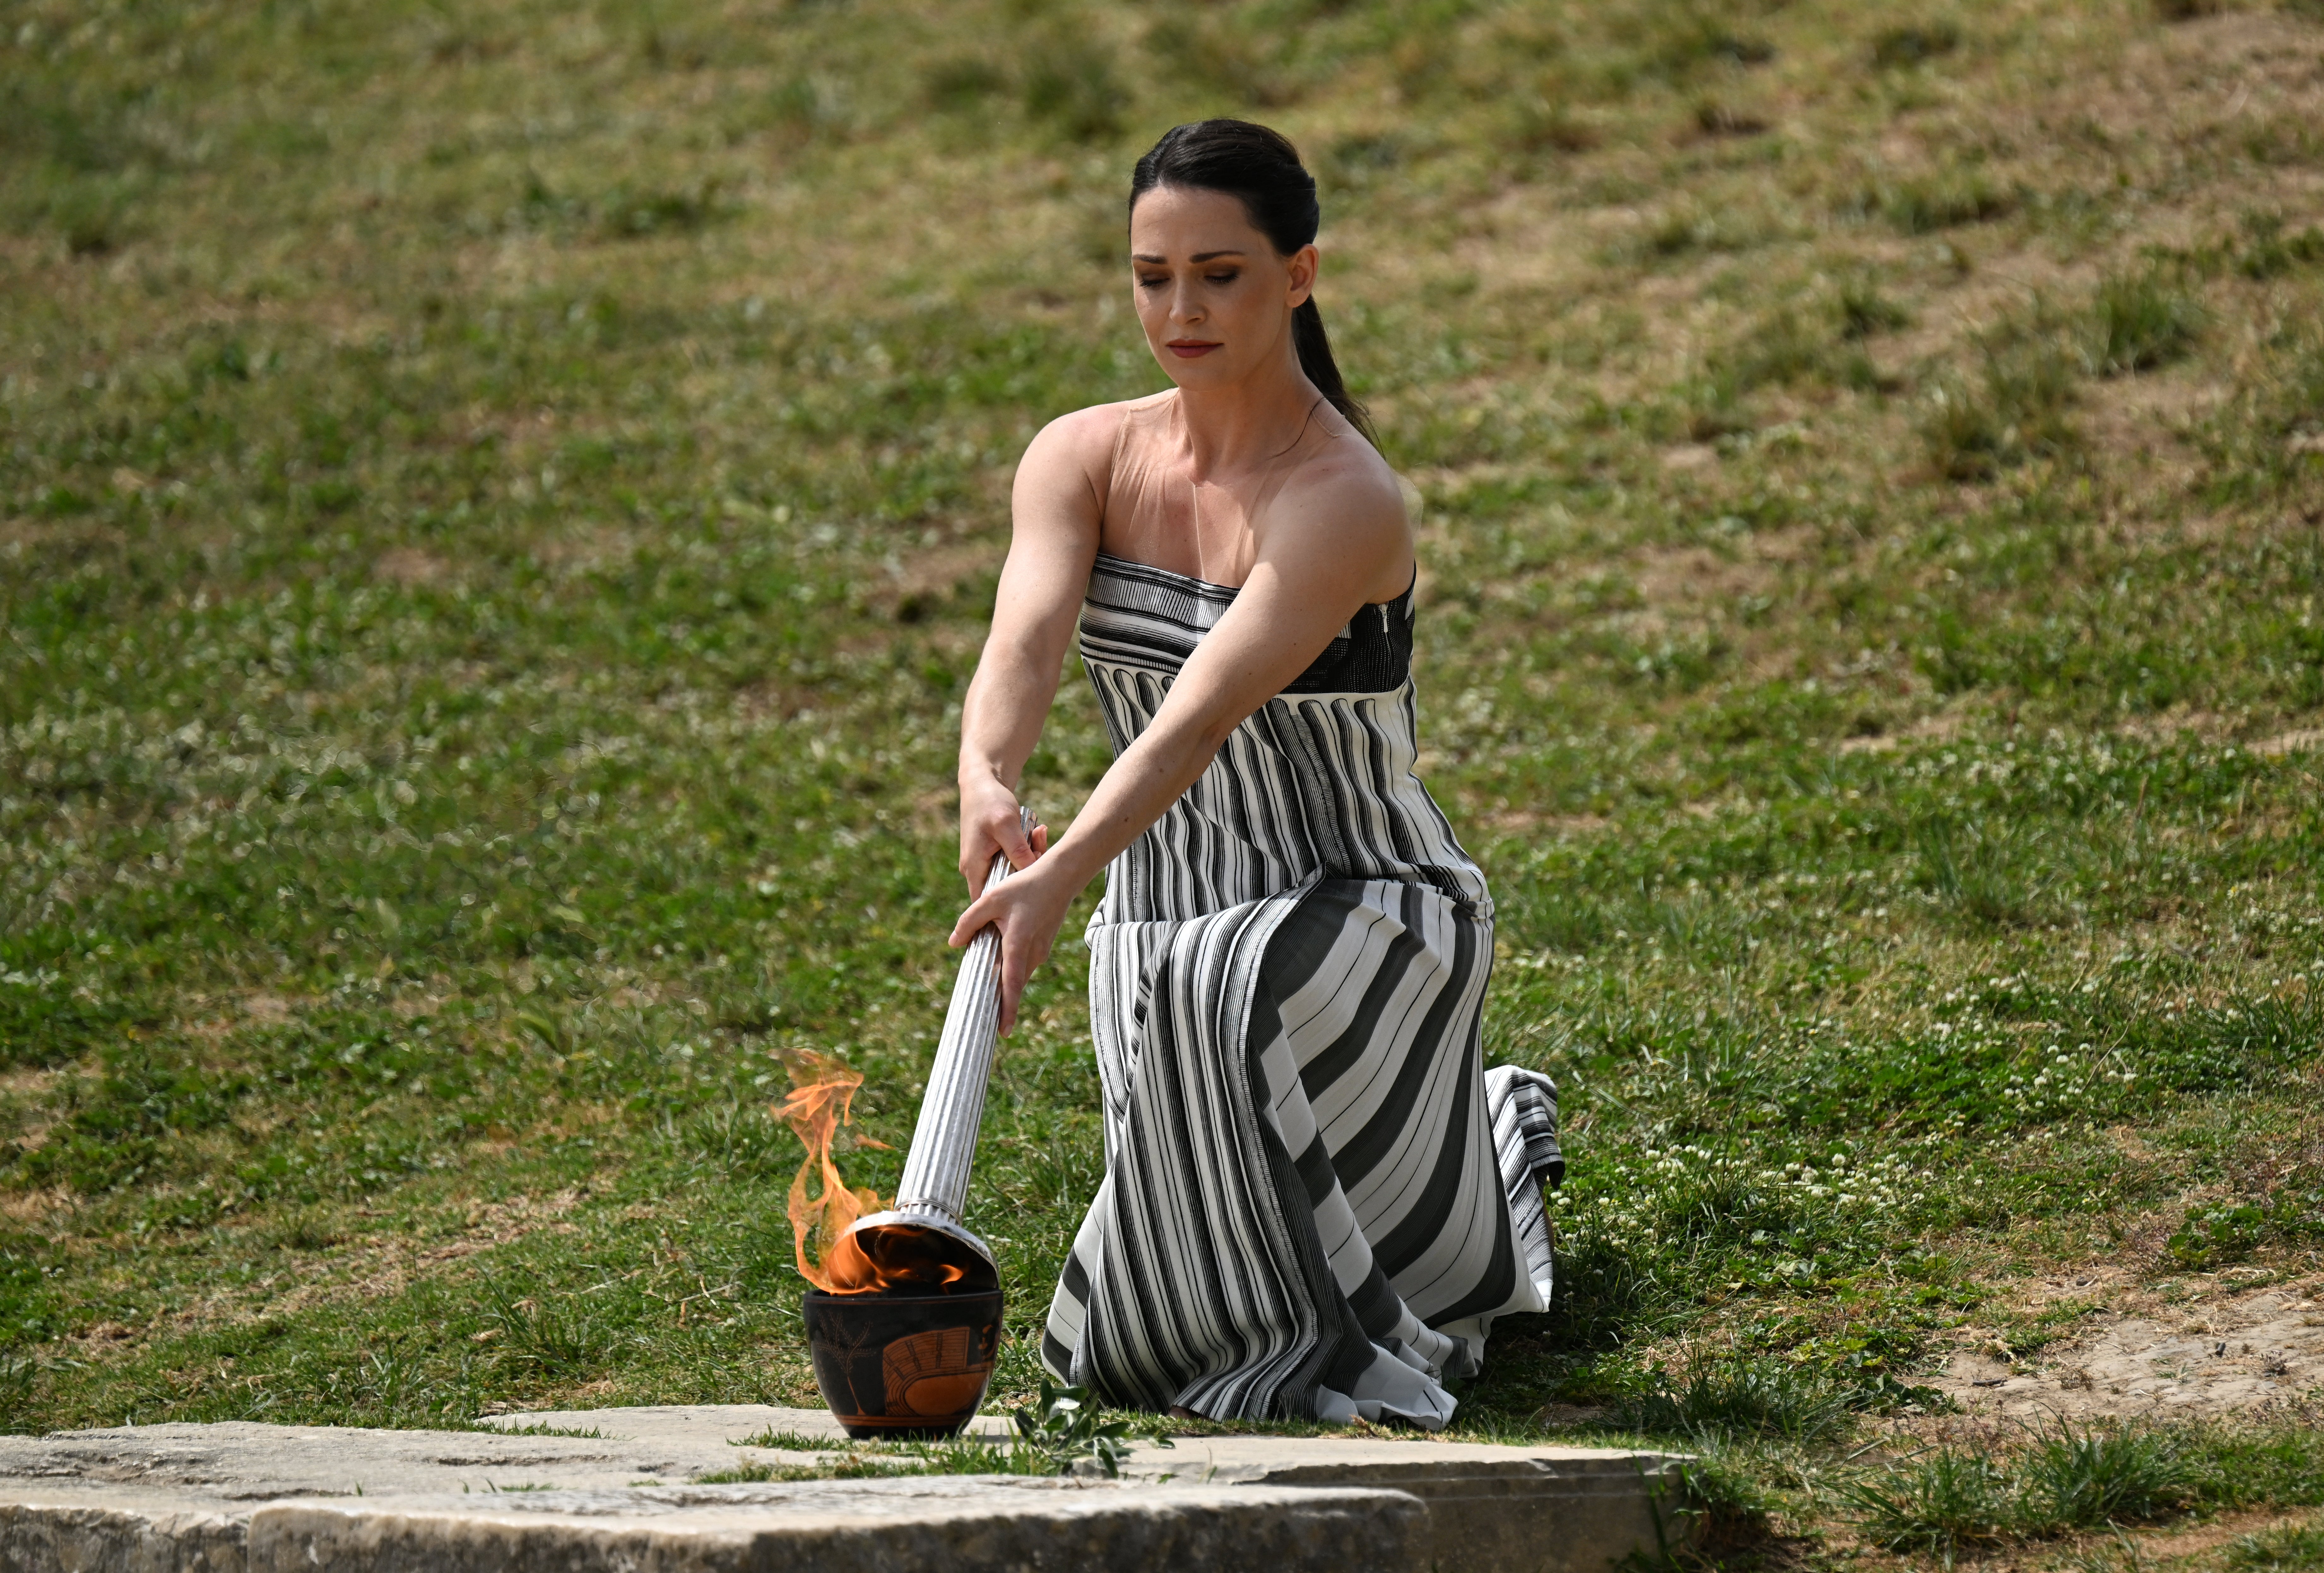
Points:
[(1316, 1200)]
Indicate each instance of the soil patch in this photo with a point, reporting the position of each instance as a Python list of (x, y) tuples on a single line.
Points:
[(2161, 1354)]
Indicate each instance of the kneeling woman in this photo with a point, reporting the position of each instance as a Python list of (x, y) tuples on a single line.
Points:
[(1316, 1200)]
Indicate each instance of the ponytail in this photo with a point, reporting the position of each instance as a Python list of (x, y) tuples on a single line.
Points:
[(1315, 348), (1261, 169)]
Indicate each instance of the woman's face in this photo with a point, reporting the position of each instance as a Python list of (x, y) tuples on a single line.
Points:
[(1214, 295)]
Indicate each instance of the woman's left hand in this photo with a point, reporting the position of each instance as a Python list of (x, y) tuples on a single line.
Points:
[(1029, 907)]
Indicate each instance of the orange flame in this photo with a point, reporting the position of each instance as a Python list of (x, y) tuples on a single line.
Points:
[(823, 1090), (821, 1099)]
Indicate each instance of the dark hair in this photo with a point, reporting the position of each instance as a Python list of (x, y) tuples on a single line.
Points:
[(1260, 167)]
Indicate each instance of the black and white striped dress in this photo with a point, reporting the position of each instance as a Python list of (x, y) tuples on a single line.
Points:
[(1316, 1199)]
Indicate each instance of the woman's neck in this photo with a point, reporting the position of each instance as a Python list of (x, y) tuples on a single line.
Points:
[(1232, 430)]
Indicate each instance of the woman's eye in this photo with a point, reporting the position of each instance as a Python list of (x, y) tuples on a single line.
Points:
[(1228, 277)]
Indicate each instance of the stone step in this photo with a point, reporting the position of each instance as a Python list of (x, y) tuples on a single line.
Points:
[(969, 1523), (532, 1494), (1505, 1509)]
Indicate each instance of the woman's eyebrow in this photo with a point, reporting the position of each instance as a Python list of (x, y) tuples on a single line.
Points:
[(1200, 256)]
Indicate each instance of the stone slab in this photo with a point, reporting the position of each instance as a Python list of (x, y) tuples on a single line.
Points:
[(956, 1524), (248, 1498), (239, 1461), (1494, 1508)]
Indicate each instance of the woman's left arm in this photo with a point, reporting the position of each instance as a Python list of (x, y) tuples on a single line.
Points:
[(1320, 553)]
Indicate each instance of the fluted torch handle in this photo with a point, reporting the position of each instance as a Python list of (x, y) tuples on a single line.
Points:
[(944, 1142)]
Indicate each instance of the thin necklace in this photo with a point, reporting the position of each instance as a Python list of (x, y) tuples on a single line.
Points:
[(1194, 487), (1305, 422)]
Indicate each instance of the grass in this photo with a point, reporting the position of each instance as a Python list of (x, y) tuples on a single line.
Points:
[(1864, 311), (1740, 1401), (882, 1460), (2292, 1548), (2061, 1479), (1947, 1502), (1912, 44), (2090, 1479), (1058, 1434), (1942, 200), (494, 530), (789, 1441), (2140, 321), (2268, 252), (2016, 410)]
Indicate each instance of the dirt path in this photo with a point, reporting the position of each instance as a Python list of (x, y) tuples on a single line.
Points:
[(2194, 1347)]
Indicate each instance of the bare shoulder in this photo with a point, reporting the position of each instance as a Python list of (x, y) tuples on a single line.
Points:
[(1082, 441), (1347, 492), (1353, 472)]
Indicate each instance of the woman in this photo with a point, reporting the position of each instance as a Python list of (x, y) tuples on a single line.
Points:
[(1315, 1200)]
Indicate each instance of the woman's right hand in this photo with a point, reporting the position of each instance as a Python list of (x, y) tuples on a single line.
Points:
[(990, 823)]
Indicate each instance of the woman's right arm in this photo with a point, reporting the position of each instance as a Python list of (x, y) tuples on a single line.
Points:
[(1056, 507)]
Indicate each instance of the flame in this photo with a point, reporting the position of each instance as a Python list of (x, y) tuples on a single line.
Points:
[(821, 1099), (823, 1090)]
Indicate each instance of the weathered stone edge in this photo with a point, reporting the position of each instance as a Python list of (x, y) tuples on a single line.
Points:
[(85, 1538), (1288, 1530), (1294, 1530)]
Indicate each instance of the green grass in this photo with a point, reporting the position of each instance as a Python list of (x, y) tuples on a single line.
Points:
[(1949, 1502), (2268, 252), (495, 529), (2019, 408), (2060, 1480), (1740, 1402), (1912, 44), (789, 1441), (2294, 1549), (2141, 320), (2089, 1479), (1944, 200), (880, 1461)]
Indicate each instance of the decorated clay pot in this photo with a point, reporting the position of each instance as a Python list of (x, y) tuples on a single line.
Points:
[(903, 1364)]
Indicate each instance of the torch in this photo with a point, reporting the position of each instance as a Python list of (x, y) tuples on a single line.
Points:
[(911, 1352)]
